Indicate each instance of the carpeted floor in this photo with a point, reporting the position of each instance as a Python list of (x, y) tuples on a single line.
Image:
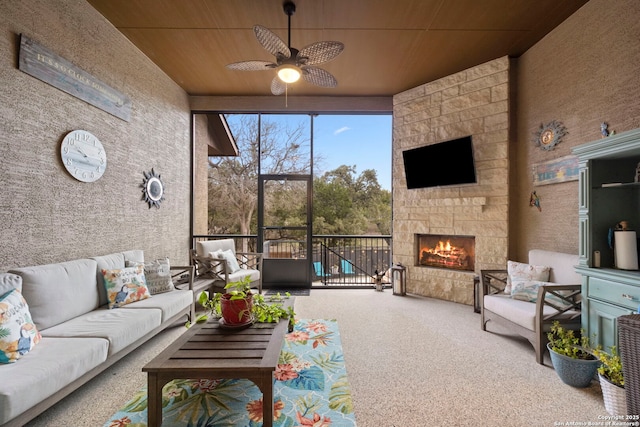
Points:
[(411, 361), (311, 385)]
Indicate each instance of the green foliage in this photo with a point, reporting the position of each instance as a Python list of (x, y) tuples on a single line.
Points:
[(611, 366), (348, 204), (239, 289), (566, 342), (268, 313), (262, 310)]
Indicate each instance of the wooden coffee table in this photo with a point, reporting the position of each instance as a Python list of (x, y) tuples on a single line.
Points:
[(210, 351)]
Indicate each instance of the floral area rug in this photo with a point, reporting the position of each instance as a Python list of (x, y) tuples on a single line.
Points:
[(310, 389)]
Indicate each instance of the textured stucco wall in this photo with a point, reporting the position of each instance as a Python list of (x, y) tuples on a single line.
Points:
[(584, 72), (45, 214), (473, 102)]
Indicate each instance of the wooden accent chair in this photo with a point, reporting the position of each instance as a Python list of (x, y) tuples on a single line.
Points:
[(558, 299), (214, 272)]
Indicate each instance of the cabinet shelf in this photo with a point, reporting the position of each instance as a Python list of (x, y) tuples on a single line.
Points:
[(619, 185), (606, 196)]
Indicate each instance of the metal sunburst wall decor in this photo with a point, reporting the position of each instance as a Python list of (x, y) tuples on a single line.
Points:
[(549, 135), (152, 189)]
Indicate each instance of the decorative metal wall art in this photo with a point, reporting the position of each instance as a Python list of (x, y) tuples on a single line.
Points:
[(152, 189), (534, 200), (549, 135)]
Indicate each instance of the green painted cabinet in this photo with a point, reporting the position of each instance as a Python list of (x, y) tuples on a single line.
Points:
[(607, 195)]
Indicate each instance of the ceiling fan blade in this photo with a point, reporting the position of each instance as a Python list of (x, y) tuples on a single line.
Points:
[(271, 42), (319, 52), (319, 77), (277, 86), (252, 66)]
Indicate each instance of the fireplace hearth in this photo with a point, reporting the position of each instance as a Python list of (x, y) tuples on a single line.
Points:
[(445, 251)]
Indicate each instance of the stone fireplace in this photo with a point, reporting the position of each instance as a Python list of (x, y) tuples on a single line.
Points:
[(446, 251), (473, 102)]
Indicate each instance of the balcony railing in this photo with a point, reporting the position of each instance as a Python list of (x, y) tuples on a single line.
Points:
[(338, 261), (350, 261)]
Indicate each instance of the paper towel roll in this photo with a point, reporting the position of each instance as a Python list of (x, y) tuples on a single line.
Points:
[(626, 250)]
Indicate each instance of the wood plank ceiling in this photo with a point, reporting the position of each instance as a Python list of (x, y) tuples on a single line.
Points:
[(390, 45)]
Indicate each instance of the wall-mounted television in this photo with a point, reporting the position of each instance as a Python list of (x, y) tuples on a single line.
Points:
[(441, 164)]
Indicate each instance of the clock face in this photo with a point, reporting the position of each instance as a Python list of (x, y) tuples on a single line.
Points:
[(83, 156)]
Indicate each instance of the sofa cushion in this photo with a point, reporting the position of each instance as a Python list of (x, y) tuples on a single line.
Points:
[(562, 265), (242, 273), (49, 367), (203, 248), (9, 281), (522, 271), (50, 286), (18, 334), (125, 285), (135, 255), (121, 327), (170, 303), (522, 313)]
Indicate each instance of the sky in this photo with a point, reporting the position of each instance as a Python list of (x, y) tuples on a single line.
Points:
[(363, 141), (360, 140)]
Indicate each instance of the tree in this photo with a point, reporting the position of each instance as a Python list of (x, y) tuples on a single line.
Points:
[(344, 202), (233, 181), (349, 204)]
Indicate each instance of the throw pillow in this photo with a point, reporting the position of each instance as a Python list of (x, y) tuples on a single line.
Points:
[(158, 276), (216, 254), (230, 258), (125, 285), (526, 290), (18, 333), (522, 271)]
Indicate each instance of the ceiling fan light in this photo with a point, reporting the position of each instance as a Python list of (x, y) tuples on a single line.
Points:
[(289, 73)]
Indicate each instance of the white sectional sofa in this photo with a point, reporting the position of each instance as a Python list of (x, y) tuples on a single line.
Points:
[(81, 336), (556, 298)]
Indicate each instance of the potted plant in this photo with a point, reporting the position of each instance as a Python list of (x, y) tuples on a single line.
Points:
[(571, 356), (236, 303), (241, 307), (612, 381)]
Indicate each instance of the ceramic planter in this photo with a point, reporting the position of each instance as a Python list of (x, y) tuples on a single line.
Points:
[(574, 372), (236, 311), (614, 396)]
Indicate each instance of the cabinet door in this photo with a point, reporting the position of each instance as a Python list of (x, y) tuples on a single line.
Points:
[(602, 325)]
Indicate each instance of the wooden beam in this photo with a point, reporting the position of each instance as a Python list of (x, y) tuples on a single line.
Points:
[(293, 104)]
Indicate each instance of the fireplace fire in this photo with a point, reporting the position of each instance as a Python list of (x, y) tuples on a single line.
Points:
[(442, 251)]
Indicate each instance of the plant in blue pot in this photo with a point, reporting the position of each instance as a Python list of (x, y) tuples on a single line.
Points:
[(571, 356)]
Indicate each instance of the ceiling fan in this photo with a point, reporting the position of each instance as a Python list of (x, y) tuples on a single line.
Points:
[(291, 63)]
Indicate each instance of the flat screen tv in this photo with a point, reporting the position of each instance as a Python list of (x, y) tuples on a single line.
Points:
[(441, 164)]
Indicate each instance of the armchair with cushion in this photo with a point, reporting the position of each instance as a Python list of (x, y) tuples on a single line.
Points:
[(528, 298), (217, 263)]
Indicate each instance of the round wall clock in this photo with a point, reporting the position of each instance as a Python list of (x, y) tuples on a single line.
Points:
[(152, 189), (83, 156), (549, 135)]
